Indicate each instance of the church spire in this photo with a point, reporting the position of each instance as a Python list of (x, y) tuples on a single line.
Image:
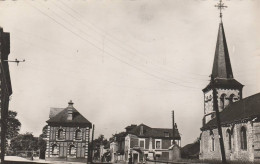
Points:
[(222, 66)]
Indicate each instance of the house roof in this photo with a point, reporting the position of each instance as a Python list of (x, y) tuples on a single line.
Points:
[(59, 116), (154, 132), (245, 109)]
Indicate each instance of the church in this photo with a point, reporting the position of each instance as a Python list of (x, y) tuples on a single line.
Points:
[(239, 117)]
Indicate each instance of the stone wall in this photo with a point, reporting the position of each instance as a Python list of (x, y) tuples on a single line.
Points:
[(235, 153)]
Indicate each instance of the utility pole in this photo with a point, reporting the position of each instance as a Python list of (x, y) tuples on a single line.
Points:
[(215, 108), (173, 128), (92, 145)]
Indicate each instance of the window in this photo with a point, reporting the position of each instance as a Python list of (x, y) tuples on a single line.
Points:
[(166, 134), (158, 144), (223, 101), (212, 143), (72, 150), (231, 98), (78, 134), (243, 138), (142, 143), (61, 134), (229, 139), (55, 149)]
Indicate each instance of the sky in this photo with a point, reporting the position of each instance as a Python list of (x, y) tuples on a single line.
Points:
[(125, 62)]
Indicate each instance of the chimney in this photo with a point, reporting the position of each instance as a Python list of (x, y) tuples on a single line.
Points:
[(141, 130), (173, 127), (70, 114)]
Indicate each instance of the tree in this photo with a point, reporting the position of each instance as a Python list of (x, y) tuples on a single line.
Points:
[(24, 142), (13, 125), (97, 143), (42, 142)]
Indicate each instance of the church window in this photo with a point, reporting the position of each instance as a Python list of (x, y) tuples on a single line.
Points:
[(229, 139), (72, 150), (222, 101), (55, 149), (243, 138), (231, 98), (61, 134), (78, 134), (212, 143)]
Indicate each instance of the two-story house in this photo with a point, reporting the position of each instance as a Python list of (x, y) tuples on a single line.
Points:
[(142, 142), (68, 135)]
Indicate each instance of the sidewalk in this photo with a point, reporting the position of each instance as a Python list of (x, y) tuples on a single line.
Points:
[(20, 160)]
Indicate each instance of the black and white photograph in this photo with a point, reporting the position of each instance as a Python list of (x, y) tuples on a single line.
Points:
[(130, 81)]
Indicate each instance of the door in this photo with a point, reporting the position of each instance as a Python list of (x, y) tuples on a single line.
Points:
[(135, 158)]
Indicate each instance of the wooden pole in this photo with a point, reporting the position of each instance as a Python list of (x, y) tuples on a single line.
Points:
[(173, 127), (215, 107), (92, 146)]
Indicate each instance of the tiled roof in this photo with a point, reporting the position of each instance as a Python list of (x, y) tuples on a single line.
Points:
[(245, 109), (62, 118), (154, 132)]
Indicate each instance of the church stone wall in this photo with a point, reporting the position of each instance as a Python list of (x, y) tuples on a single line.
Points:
[(208, 105), (235, 153)]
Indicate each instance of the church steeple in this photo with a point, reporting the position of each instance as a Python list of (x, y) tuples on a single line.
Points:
[(222, 66), (228, 89)]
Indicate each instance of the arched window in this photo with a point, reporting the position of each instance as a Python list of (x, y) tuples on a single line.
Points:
[(223, 101), (55, 149), (229, 139), (78, 134), (212, 140), (243, 138), (231, 98), (61, 134), (72, 150), (212, 143)]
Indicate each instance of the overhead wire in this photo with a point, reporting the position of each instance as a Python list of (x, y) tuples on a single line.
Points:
[(117, 58)]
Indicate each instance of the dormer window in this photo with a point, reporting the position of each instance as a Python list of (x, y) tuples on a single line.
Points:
[(166, 134)]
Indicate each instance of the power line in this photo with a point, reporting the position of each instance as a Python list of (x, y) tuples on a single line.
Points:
[(133, 51), (117, 58)]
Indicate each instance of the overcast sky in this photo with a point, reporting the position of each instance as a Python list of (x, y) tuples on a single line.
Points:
[(125, 62)]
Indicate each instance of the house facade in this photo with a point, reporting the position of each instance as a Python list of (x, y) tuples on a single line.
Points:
[(68, 135), (5, 85), (239, 116), (141, 142)]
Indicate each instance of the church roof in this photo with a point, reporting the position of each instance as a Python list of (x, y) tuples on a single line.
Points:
[(222, 70), (222, 66), (224, 83), (154, 132), (59, 116), (245, 109)]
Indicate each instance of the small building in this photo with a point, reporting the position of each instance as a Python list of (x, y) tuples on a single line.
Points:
[(141, 142), (68, 135)]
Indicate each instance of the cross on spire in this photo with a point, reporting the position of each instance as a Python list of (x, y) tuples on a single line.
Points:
[(220, 6)]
